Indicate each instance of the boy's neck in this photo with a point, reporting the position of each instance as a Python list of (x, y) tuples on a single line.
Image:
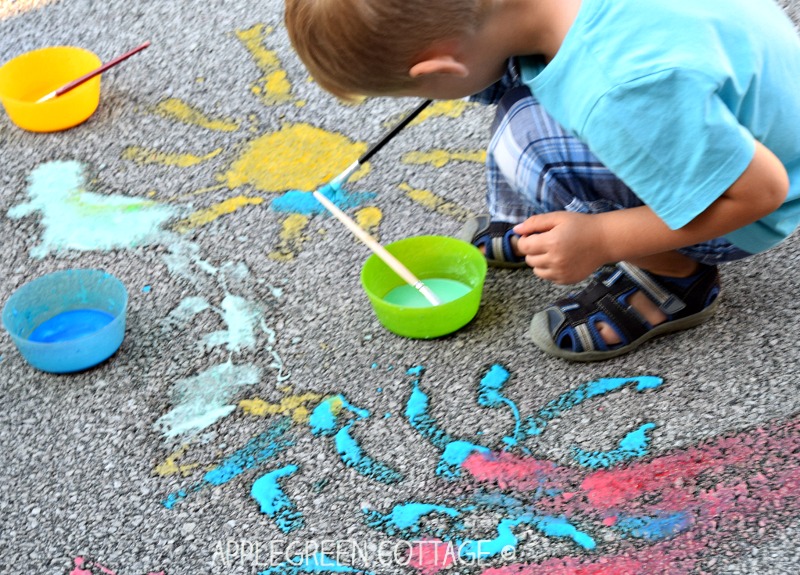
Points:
[(534, 27)]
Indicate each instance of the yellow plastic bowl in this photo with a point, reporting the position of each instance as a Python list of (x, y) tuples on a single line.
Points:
[(29, 76)]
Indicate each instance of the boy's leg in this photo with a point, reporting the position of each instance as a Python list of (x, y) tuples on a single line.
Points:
[(533, 166)]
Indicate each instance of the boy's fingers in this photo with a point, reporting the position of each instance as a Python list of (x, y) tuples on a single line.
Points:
[(535, 224), (530, 245)]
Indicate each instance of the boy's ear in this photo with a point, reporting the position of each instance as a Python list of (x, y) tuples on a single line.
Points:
[(444, 64)]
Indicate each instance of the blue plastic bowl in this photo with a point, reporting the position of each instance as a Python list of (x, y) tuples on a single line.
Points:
[(67, 321)]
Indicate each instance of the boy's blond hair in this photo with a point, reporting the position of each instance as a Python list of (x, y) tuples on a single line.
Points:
[(366, 47)]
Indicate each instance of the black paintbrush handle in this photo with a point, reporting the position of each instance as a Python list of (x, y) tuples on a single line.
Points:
[(393, 132)]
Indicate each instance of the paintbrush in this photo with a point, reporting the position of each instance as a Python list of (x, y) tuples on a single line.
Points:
[(337, 182), (375, 148), (86, 77)]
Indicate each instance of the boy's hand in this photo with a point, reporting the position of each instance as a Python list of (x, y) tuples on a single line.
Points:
[(562, 247)]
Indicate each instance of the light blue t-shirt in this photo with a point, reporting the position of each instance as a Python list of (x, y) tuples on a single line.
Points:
[(670, 94)]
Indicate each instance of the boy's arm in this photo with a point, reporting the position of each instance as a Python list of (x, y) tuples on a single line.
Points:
[(565, 247)]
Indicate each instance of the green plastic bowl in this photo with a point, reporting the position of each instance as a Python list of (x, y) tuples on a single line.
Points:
[(426, 257)]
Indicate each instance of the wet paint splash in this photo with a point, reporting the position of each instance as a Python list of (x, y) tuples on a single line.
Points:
[(176, 109), (274, 502), (436, 203), (202, 400), (326, 420), (212, 213), (295, 405), (76, 219), (259, 449), (242, 318), (273, 87)]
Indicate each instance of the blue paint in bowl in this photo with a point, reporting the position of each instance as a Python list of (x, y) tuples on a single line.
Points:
[(67, 321)]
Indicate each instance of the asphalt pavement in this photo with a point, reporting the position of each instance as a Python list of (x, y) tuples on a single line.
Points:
[(258, 418)]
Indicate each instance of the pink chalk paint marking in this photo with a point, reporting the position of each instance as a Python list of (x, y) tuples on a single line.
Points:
[(83, 566), (431, 556), (735, 490)]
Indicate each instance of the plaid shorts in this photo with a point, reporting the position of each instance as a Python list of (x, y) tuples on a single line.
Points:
[(534, 166)]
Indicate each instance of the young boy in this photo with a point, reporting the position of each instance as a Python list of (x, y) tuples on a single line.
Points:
[(663, 136)]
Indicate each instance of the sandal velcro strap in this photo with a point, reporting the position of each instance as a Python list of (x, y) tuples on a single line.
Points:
[(495, 239), (667, 302), (569, 327)]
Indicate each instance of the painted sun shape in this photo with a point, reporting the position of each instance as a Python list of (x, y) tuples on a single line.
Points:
[(287, 164)]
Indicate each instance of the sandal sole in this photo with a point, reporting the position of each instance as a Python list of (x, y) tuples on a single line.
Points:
[(540, 334)]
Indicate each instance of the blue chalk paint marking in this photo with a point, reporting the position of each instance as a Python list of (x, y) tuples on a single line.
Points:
[(654, 528), (324, 418), (406, 517), (353, 456), (490, 395), (635, 444), (273, 501), (405, 521), (299, 202), (560, 527), (70, 325), (536, 424), (417, 413), (325, 421), (519, 513), (317, 563), (454, 451), (259, 449)]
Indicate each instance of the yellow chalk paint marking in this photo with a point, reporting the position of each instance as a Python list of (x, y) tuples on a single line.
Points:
[(144, 156), (208, 215), (297, 157), (369, 218), (436, 203), (445, 108), (170, 465), (294, 405), (292, 238), (176, 109), (440, 158), (273, 87)]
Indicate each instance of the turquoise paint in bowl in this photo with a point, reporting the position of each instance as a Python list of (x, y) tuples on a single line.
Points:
[(67, 321)]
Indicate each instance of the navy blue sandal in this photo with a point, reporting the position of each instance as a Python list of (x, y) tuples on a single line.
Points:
[(495, 239), (568, 328)]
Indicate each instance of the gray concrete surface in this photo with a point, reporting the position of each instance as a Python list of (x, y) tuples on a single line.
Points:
[(92, 462)]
